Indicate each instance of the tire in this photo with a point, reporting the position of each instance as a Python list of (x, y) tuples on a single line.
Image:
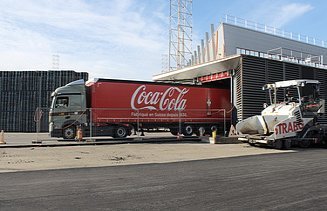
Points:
[(287, 144), (278, 144), (324, 142), (188, 130), (174, 132), (69, 132), (214, 127), (304, 144), (198, 133), (120, 132)]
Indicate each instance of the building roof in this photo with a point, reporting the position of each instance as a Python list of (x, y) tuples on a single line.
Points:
[(195, 71)]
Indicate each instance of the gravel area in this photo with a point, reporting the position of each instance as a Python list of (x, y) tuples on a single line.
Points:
[(41, 158)]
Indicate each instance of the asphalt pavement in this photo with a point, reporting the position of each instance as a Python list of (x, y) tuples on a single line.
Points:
[(287, 181)]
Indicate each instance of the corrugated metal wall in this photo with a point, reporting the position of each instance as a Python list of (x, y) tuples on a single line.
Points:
[(21, 92), (256, 72), (252, 77)]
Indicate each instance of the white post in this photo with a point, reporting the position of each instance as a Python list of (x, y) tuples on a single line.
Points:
[(207, 46), (138, 123), (91, 127), (180, 122), (224, 122)]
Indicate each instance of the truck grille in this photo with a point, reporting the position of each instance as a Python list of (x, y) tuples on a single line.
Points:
[(298, 117)]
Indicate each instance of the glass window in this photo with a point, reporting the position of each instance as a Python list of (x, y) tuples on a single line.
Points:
[(62, 102)]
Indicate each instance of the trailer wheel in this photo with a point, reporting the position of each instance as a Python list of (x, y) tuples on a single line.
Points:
[(200, 131), (120, 132), (69, 132), (214, 128), (188, 130)]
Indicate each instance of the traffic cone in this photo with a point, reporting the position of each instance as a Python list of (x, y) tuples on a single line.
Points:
[(232, 131), (179, 136), (79, 134), (2, 137)]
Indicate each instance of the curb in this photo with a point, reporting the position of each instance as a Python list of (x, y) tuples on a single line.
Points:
[(105, 142), (222, 140), (229, 140)]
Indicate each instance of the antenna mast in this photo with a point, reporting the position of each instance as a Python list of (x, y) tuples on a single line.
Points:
[(180, 34), (55, 61)]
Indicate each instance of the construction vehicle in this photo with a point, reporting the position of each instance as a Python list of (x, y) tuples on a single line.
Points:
[(290, 119)]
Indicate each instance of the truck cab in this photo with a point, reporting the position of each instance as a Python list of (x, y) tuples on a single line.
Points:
[(68, 109)]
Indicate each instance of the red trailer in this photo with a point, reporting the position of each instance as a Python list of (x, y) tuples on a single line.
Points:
[(115, 106)]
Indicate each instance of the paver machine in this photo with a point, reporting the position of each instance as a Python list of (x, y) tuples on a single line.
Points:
[(290, 119)]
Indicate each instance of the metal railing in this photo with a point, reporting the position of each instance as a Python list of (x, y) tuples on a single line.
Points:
[(288, 55), (272, 30)]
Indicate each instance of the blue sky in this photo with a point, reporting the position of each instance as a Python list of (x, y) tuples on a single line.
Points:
[(126, 38)]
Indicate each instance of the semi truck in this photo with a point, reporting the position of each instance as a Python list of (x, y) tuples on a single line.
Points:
[(290, 119), (109, 107)]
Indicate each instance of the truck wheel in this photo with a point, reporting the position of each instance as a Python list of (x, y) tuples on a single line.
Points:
[(214, 128), (120, 132), (69, 132), (188, 130), (174, 132), (200, 130)]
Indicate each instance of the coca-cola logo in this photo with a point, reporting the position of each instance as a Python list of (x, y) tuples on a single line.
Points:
[(170, 99)]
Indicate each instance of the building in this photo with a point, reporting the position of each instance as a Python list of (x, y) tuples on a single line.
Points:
[(22, 92), (244, 56)]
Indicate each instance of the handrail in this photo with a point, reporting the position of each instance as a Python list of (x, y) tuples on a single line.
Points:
[(272, 30)]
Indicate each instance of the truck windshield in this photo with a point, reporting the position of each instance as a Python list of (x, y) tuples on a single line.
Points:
[(286, 95), (60, 102)]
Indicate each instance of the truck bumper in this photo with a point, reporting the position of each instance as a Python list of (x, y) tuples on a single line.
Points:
[(253, 139), (259, 141)]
